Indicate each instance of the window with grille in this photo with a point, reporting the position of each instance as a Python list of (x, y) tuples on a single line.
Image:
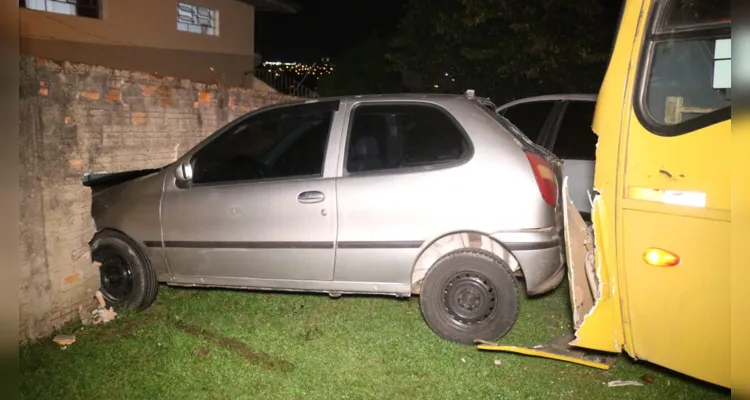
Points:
[(197, 19), (81, 8)]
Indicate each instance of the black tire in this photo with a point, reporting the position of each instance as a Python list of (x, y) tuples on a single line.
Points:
[(468, 295), (127, 278)]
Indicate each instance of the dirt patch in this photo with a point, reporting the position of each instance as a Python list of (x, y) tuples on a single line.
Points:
[(202, 352), (577, 371), (116, 332), (254, 356), (311, 331), (555, 321), (183, 293), (158, 311)]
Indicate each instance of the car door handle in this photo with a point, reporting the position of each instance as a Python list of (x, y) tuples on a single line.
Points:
[(311, 197)]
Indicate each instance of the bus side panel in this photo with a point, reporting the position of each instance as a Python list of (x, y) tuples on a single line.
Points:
[(673, 194), (680, 315), (676, 197)]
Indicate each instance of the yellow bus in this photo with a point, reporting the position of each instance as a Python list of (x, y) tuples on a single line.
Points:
[(651, 275)]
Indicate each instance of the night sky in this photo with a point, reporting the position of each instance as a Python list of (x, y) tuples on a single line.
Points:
[(323, 28)]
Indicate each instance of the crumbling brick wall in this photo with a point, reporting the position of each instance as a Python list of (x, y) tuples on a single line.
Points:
[(77, 119)]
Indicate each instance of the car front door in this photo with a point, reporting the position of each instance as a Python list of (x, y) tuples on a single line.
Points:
[(574, 142), (260, 209)]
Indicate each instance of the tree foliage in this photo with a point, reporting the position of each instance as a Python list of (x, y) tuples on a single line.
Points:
[(504, 49), (364, 70)]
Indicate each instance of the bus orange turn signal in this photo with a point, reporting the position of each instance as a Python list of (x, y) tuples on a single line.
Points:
[(660, 258)]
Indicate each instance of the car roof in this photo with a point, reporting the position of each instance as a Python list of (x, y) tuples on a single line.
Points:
[(425, 97), (550, 97)]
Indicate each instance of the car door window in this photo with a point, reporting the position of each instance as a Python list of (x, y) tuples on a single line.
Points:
[(279, 143), (530, 117), (384, 137), (575, 138)]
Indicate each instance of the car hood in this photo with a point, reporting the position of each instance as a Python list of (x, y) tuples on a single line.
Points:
[(99, 181)]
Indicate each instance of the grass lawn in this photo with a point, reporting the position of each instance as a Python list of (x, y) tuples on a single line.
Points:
[(222, 344)]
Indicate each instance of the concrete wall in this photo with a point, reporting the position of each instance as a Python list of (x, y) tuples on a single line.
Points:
[(142, 35), (76, 119)]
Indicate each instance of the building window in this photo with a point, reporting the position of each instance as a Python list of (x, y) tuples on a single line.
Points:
[(197, 19), (81, 8)]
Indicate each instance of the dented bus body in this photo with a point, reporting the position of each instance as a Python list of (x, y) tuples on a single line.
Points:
[(650, 275)]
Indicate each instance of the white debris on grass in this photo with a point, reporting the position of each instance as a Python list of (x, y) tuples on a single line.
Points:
[(623, 383), (102, 314)]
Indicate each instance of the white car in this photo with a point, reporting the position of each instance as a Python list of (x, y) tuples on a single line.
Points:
[(562, 125)]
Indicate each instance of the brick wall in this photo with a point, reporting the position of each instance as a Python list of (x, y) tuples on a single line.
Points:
[(77, 119)]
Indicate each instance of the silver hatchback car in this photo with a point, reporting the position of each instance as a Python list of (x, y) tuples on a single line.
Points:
[(433, 195)]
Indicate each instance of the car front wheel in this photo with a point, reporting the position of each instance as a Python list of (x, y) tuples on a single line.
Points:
[(468, 295), (127, 278)]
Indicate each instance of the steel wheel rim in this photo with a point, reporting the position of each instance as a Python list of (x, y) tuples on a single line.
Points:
[(470, 298), (116, 276)]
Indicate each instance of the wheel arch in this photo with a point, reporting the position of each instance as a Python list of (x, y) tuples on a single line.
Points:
[(141, 246), (433, 250), (102, 231)]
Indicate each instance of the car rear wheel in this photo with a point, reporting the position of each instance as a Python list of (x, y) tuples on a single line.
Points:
[(468, 295), (127, 278)]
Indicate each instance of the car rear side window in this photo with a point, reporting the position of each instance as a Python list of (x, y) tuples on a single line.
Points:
[(530, 117), (575, 138), (398, 136), (279, 143)]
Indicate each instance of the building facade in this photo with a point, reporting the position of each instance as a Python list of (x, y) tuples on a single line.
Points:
[(211, 41)]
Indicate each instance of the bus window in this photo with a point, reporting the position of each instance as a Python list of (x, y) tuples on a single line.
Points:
[(696, 14), (681, 81), (687, 73)]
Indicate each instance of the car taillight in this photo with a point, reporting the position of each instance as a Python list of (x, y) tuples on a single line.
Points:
[(545, 178)]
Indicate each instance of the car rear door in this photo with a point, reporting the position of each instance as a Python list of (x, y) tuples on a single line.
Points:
[(398, 159)]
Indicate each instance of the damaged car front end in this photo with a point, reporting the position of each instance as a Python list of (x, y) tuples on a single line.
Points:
[(127, 202)]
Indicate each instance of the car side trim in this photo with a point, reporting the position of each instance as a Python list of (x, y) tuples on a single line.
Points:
[(240, 245), (406, 244)]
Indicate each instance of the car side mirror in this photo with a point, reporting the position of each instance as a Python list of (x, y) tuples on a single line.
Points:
[(184, 172)]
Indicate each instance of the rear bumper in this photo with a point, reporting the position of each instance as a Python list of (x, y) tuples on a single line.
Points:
[(549, 284), (541, 257)]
